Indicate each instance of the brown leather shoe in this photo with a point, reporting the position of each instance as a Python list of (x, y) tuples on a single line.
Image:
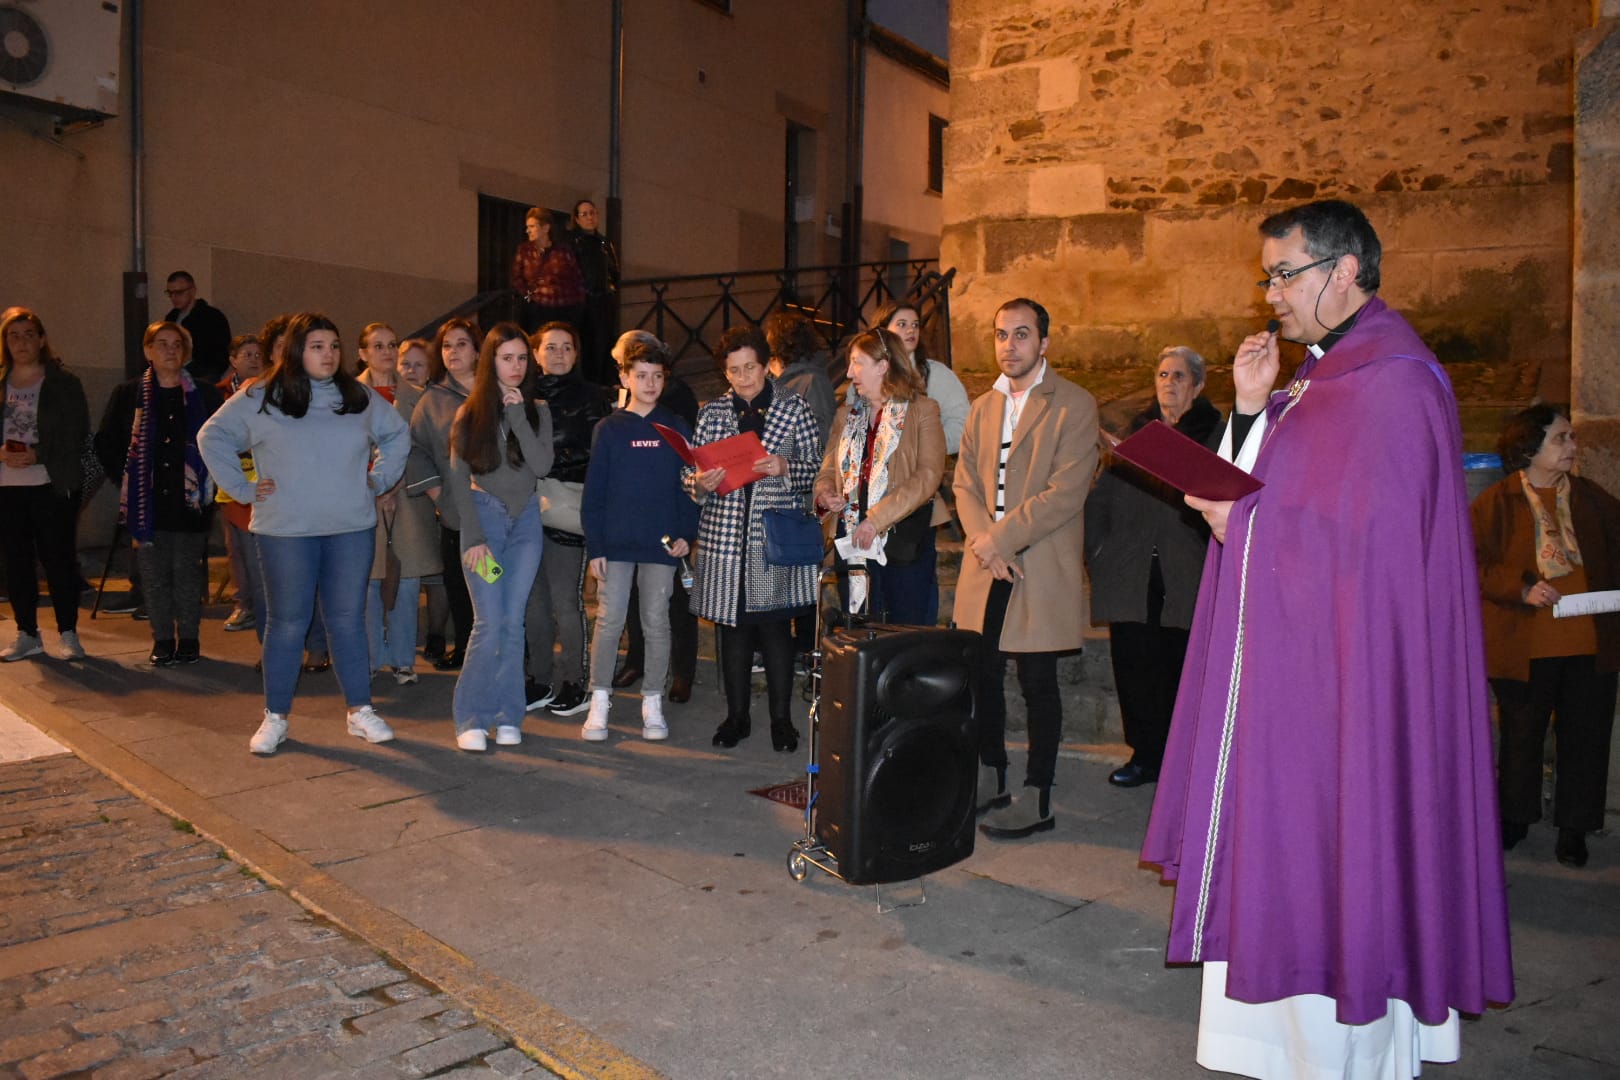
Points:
[(627, 677), (680, 689)]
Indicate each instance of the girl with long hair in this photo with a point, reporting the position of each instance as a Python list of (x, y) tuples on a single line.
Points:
[(452, 365), (46, 421), (500, 447), (325, 447)]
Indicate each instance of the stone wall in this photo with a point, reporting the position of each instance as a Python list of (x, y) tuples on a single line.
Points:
[(1113, 159), (1597, 255)]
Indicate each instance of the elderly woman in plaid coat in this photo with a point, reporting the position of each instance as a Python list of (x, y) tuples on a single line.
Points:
[(751, 601)]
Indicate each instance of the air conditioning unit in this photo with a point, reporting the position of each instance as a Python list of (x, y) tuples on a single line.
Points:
[(60, 56)]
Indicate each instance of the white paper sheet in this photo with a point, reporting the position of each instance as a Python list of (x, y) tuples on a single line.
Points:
[(1587, 603)]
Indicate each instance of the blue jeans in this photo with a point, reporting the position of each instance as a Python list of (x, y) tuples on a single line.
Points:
[(489, 691), (292, 568), (391, 635), (908, 594)]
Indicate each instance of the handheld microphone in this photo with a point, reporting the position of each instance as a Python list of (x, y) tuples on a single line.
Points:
[(1272, 326)]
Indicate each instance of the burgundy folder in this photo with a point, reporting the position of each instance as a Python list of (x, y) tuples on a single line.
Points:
[(1164, 452)]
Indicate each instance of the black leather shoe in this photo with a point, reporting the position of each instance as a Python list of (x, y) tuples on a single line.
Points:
[(1571, 848), (1131, 774), (1512, 833), (314, 663), (784, 737), (162, 654), (680, 689), (626, 677), (731, 732), (433, 648), (189, 651), (450, 661)]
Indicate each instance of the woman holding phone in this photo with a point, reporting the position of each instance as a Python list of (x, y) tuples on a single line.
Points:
[(500, 447)]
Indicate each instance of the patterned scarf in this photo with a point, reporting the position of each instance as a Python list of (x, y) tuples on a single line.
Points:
[(135, 492), (852, 448), (1557, 553)]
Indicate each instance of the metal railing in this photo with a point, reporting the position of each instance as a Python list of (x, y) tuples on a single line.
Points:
[(689, 311)]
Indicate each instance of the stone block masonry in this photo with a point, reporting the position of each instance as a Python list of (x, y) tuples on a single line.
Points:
[(1114, 159)]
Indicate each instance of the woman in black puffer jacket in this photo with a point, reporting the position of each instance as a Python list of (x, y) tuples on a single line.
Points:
[(556, 612)]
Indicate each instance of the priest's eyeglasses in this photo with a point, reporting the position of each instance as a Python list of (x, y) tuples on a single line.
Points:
[(1283, 277)]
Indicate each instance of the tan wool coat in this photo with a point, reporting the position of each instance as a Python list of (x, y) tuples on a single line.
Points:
[(1049, 472), (915, 467)]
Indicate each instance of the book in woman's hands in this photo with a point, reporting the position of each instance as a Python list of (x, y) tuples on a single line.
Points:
[(736, 455)]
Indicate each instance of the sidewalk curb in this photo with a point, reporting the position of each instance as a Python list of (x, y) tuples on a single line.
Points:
[(553, 1039)]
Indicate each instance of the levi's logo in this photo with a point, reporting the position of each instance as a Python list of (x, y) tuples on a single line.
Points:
[(647, 444)]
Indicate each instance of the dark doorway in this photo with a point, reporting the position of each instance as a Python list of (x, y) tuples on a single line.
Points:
[(797, 192)]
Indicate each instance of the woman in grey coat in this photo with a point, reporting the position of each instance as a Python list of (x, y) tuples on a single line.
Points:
[(751, 601), (407, 527)]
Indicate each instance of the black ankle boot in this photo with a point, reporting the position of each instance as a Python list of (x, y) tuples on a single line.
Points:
[(784, 736), (731, 732), (1512, 833), (1571, 848)]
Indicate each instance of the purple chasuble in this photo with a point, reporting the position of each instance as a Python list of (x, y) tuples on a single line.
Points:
[(1327, 805)]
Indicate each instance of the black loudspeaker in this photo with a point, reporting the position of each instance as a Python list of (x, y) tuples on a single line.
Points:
[(898, 751)]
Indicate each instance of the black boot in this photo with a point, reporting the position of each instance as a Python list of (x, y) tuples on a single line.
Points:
[(1571, 848)]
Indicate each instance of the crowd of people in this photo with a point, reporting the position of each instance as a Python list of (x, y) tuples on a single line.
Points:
[(1302, 669)]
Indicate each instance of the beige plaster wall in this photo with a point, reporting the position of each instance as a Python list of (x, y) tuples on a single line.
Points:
[(898, 203)]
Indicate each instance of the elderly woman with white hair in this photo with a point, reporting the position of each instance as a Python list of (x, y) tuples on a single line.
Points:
[(679, 399), (1145, 550)]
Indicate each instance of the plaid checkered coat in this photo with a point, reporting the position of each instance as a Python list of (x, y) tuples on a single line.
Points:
[(726, 538)]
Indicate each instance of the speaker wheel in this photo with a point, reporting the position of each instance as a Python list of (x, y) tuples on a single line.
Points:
[(797, 866)]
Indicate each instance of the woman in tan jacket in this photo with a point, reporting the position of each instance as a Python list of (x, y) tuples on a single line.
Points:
[(882, 467), (1541, 535)]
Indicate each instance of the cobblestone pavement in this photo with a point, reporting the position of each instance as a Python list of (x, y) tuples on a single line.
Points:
[(130, 948)]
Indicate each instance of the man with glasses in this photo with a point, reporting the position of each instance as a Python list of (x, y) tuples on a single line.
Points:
[(1327, 806), (209, 329)]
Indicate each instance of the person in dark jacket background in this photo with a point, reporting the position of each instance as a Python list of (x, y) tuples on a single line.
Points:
[(599, 267), (1145, 551), (210, 330), (556, 611)]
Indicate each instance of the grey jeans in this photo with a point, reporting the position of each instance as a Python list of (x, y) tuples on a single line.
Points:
[(173, 577), (556, 616), (654, 581)]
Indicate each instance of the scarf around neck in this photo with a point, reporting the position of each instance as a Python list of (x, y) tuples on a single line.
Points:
[(135, 490), (852, 449), (1557, 553)]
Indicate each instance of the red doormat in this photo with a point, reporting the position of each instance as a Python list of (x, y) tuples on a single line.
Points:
[(788, 792)]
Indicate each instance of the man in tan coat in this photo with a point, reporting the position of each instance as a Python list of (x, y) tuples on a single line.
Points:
[(1027, 459)]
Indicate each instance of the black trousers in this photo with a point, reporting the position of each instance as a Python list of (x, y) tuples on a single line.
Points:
[(1037, 677), (1147, 660), (1583, 699), (455, 586), (683, 631), (37, 523), (774, 639)]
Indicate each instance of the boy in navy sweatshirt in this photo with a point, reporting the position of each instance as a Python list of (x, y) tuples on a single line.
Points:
[(633, 500)]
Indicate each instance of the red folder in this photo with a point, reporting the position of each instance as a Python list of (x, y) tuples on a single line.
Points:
[(736, 455), (1166, 453)]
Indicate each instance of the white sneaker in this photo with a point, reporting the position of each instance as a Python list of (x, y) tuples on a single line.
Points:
[(652, 718), (364, 723), (596, 729), (404, 676), (506, 735), (70, 647), (271, 734), (25, 646), (472, 739)]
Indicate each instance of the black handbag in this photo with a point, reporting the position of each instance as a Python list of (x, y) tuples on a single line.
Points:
[(907, 535), (793, 538)]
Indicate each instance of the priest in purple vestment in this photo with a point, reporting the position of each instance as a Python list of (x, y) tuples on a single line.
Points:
[(1327, 805)]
